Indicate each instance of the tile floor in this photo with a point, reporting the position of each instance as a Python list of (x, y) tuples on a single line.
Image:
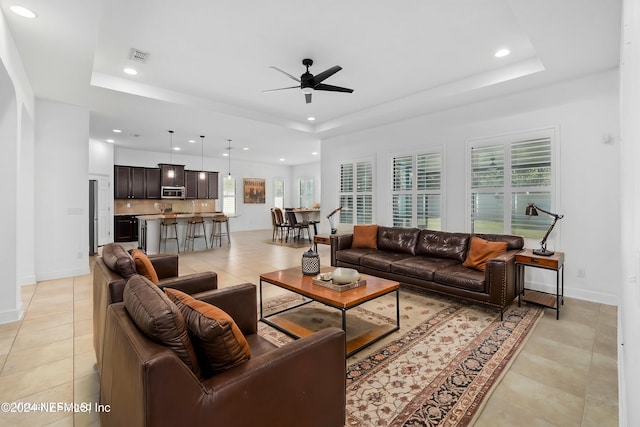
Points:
[(565, 375)]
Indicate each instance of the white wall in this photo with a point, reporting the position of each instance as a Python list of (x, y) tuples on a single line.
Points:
[(62, 191), (629, 312), (249, 216), (16, 130), (584, 110)]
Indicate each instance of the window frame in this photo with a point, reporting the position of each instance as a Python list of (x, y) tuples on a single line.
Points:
[(508, 191), (414, 192), (233, 197), (354, 194), (300, 195), (276, 180)]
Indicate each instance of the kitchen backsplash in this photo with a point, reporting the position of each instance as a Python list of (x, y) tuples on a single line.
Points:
[(141, 206)]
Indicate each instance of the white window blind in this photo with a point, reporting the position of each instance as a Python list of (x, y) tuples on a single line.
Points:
[(278, 193), (505, 177), (356, 192), (417, 182), (306, 192), (229, 196)]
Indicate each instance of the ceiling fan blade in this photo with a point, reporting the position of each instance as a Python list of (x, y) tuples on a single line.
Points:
[(318, 78), (285, 73), (282, 88), (331, 88), (307, 97)]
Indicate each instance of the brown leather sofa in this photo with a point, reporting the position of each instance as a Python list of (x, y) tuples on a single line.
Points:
[(112, 269), (433, 260), (144, 383)]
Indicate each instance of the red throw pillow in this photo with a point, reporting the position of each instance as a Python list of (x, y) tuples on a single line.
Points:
[(481, 251), (365, 236), (215, 336), (144, 266)]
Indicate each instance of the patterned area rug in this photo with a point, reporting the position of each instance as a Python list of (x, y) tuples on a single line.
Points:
[(436, 371)]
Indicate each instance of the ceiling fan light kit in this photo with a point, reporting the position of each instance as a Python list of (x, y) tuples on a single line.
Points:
[(310, 83)]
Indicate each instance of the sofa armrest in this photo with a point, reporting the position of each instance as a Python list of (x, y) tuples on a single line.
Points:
[(192, 283), (339, 242), (309, 374), (500, 275), (166, 265), (239, 302)]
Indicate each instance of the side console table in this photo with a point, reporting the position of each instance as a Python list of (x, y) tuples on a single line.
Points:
[(527, 258)]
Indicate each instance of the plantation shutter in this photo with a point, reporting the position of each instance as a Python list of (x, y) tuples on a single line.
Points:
[(487, 175)]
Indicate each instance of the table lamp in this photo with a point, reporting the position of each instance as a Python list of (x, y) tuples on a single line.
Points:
[(332, 224), (532, 210)]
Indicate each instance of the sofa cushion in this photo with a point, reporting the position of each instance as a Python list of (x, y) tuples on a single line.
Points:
[(513, 242), (421, 267), (382, 261), (118, 260), (461, 277), (441, 244), (392, 239), (159, 318), (365, 236), (353, 256), (216, 338), (144, 265), (480, 251)]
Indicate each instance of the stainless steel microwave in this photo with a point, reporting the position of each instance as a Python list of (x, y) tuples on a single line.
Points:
[(172, 192)]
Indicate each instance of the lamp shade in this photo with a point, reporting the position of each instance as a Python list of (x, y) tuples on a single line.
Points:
[(531, 210), (310, 263)]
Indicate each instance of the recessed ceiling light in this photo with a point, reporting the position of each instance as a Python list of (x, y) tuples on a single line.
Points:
[(23, 11), (502, 52), (192, 141), (117, 130), (130, 71), (177, 148), (315, 153), (311, 118), (282, 160), (110, 140), (225, 154), (245, 148)]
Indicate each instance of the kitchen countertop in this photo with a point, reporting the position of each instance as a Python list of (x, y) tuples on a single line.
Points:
[(150, 217)]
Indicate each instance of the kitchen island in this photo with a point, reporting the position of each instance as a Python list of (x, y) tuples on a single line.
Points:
[(149, 229)]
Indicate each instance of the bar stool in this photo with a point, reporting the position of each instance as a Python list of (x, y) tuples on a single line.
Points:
[(216, 231), (164, 237), (191, 236)]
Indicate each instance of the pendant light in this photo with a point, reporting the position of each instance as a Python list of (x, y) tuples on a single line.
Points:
[(203, 174), (229, 156), (171, 173)]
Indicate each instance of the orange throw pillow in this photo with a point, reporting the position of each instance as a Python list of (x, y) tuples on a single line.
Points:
[(217, 339), (144, 266), (482, 251), (365, 236)]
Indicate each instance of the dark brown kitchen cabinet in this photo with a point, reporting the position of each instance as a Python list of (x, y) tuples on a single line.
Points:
[(125, 228), (129, 182), (212, 185), (178, 176), (152, 183), (197, 188)]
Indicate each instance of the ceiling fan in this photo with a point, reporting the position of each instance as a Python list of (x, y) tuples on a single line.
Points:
[(309, 82)]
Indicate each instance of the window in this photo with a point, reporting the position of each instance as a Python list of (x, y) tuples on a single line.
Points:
[(229, 196), (306, 192), (417, 183), (507, 175), (356, 192), (278, 193)]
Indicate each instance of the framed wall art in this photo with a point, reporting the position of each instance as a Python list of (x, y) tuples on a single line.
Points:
[(254, 190)]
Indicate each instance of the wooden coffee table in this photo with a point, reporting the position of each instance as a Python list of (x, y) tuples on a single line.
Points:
[(293, 280)]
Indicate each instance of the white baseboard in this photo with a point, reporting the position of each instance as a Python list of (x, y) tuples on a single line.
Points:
[(60, 274), (599, 297), (13, 315), (27, 280)]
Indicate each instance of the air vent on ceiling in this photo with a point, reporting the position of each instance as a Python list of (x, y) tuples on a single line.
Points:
[(138, 55)]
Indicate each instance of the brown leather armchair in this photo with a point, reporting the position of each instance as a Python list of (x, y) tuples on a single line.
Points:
[(144, 383), (112, 269)]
